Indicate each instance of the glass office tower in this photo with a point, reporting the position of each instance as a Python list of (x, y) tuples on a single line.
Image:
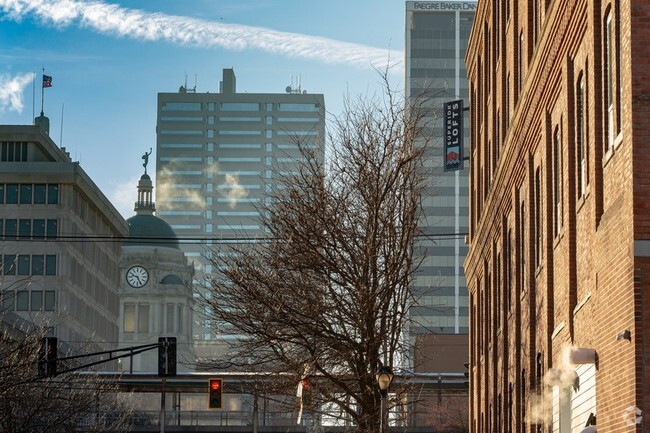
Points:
[(217, 156), (436, 41)]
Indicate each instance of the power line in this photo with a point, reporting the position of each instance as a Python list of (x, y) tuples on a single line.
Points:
[(182, 240)]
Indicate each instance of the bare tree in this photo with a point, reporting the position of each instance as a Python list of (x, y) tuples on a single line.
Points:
[(32, 403), (326, 295)]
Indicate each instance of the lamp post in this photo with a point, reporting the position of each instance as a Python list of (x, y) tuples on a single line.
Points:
[(384, 377)]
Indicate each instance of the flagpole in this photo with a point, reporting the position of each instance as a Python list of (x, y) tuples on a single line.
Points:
[(42, 94)]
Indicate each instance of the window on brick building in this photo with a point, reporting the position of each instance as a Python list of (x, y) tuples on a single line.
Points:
[(538, 217), (511, 396), (535, 24), (557, 180), (520, 63), (498, 289), (612, 77), (522, 247), (508, 272), (499, 411), (497, 34), (581, 150), (497, 139), (490, 308), (506, 102), (522, 400)]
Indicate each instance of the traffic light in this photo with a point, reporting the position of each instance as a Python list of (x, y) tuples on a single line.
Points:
[(215, 386), (166, 356), (47, 357), (306, 393)]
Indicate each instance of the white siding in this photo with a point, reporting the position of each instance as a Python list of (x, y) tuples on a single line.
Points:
[(584, 399)]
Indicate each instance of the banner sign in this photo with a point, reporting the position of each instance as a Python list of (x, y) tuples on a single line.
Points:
[(453, 135)]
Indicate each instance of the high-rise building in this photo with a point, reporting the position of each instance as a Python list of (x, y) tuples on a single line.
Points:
[(60, 263), (559, 261), (436, 40), (218, 154)]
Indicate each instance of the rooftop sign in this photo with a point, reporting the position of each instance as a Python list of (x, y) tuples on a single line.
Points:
[(445, 6)]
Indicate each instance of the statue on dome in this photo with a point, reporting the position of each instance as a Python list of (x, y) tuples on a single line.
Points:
[(145, 157)]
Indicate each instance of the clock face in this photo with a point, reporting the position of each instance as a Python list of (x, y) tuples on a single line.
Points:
[(137, 276)]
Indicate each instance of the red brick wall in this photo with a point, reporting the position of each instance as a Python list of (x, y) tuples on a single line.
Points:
[(587, 285)]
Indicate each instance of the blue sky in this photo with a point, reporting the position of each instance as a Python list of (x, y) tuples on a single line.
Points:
[(109, 59)]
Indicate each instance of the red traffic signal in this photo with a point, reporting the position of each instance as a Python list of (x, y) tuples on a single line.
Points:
[(215, 386)]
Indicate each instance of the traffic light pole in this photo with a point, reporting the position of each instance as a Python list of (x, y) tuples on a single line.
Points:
[(162, 407), (48, 360)]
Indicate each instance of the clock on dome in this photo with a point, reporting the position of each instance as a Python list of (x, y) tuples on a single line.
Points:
[(137, 276)]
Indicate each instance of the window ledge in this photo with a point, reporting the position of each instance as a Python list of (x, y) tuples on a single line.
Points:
[(582, 199), (557, 330), (582, 303), (618, 140)]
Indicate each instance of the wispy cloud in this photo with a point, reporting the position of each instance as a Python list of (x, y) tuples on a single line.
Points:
[(118, 21), (11, 91)]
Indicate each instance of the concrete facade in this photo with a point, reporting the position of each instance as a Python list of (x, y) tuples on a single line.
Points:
[(218, 154), (558, 261), (59, 255)]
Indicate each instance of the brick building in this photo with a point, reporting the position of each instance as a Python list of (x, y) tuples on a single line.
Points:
[(559, 261)]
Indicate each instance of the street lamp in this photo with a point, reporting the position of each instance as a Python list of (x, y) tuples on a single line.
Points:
[(384, 377)]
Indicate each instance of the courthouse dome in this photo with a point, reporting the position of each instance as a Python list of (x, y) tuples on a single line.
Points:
[(152, 231)]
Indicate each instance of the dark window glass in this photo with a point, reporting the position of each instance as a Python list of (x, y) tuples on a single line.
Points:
[(24, 228), (8, 299), (36, 301), (49, 300), (38, 228), (2, 193), (23, 264), (580, 150), (39, 193), (11, 228), (52, 194), (52, 228), (38, 263), (2, 227), (9, 264), (25, 193), (50, 265), (22, 300), (12, 193)]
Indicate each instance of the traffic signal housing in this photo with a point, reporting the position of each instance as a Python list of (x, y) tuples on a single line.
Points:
[(166, 356), (215, 388), (47, 357)]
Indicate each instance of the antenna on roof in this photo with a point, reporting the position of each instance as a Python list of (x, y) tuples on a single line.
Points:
[(297, 89)]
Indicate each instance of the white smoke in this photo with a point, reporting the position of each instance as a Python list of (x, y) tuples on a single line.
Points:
[(233, 190), (136, 24), (11, 91)]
